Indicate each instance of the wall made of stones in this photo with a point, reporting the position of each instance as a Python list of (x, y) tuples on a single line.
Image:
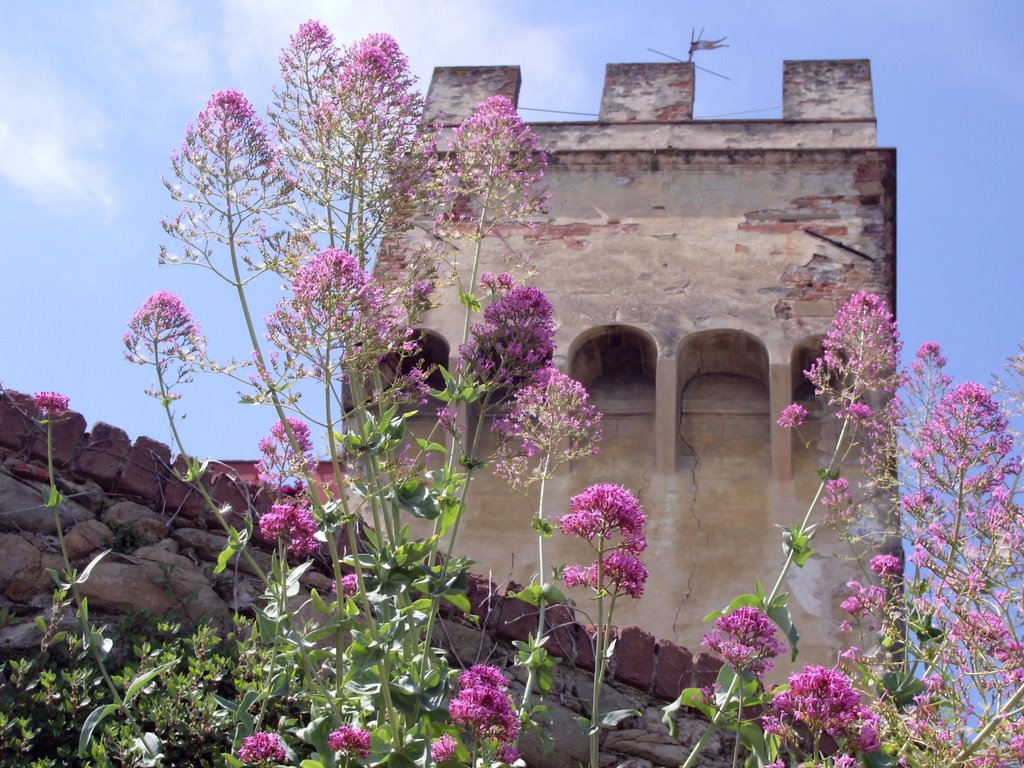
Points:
[(123, 495)]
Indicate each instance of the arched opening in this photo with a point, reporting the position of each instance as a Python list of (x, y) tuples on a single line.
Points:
[(803, 357), (617, 364), (724, 420)]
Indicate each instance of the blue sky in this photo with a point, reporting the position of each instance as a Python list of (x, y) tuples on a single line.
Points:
[(95, 95)]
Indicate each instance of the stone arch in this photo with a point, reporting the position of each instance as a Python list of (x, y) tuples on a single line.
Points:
[(724, 402), (434, 351), (804, 353), (618, 365)]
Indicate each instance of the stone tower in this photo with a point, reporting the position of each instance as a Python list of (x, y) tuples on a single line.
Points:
[(694, 266)]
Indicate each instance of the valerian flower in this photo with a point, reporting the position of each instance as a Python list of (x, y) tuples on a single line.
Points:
[(444, 748), (231, 184), (792, 415), (610, 518), (294, 524), (483, 705), (515, 341), (823, 701), (746, 638), (491, 171), (551, 422), (350, 741), (51, 405), (282, 463), (163, 332), (262, 746), (338, 320)]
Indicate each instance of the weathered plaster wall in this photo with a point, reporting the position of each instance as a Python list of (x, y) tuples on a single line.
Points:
[(122, 494), (694, 266)]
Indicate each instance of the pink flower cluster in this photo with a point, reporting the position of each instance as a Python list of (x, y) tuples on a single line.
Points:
[(552, 421), (792, 416), (295, 524), (491, 169), (338, 319), (516, 339), (160, 332), (823, 701), (484, 707), (598, 515), (444, 748), (51, 405), (281, 468), (349, 741), (864, 601), (262, 746), (746, 639)]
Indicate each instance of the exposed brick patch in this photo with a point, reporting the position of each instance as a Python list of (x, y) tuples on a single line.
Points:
[(229, 490), (33, 472), (561, 622), (103, 454), (634, 657), (674, 668)]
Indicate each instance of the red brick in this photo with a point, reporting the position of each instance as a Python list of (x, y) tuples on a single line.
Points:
[(674, 667), (562, 631), (180, 498), (68, 435), (482, 595), (634, 658), (585, 646)]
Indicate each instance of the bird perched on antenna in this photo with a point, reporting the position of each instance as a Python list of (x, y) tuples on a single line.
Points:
[(696, 44)]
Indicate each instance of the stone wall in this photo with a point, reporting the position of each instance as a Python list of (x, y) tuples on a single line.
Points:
[(123, 495)]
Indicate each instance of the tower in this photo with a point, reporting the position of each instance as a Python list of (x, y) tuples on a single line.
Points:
[(694, 267)]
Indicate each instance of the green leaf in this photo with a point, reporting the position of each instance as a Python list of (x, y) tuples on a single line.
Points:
[(55, 497), (91, 723), (143, 680), (459, 600), (587, 727), (778, 612), (469, 301), (543, 527), (531, 594), (417, 499), (92, 564), (151, 748), (615, 716), (224, 558), (311, 764), (797, 540), (428, 447), (692, 698)]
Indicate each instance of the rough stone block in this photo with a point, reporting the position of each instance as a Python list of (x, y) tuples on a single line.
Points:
[(634, 658), (661, 92), (181, 498), (232, 492), (455, 92), (16, 424), (516, 620), (68, 434), (103, 455), (705, 669), (674, 669), (145, 469)]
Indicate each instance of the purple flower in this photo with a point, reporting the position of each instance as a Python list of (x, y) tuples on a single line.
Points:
[(263, 745), (823, 701), (160, 331), (745, 638), (483, 706), (838, 500), (600, 511), (338, 319), (491, 168), (281, 467), (860, 352), (51, 405), (624, 574), (350, 741), (792, 416), (231, 182), (515, 340), (551, 422), (443, 749), (349, 585), (293, 523), (887, 565)]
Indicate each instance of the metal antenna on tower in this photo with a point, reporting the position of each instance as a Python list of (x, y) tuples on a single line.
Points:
[(696, 44)]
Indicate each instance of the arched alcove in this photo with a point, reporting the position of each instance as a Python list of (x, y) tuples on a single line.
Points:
[(617, 365), (433, 353), (802, 358), (724, 402)]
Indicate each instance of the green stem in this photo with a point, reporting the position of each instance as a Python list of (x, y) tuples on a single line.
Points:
[(531, 679)]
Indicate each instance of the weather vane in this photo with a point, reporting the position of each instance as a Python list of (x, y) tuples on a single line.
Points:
[(698, 44)]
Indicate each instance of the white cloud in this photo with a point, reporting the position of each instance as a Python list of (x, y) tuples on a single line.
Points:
[(51, 139)]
